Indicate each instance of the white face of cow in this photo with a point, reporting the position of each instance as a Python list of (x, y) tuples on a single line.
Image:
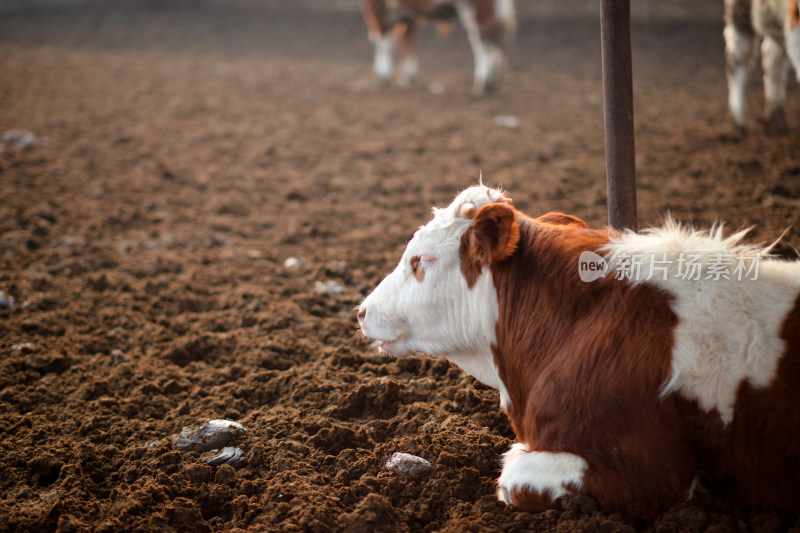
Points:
[(425, 304)]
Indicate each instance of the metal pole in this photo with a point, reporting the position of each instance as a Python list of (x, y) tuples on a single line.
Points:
[(615, 33)]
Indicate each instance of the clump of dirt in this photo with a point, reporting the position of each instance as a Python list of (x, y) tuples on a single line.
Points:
[(182, 156)]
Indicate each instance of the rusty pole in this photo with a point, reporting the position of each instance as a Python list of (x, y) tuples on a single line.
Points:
[(615, 34)]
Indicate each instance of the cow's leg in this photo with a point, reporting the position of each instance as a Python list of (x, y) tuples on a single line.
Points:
[(792, 32), (496, 21), (637, 479), (534, 481), (488, 54), (738, 54), (409, 63), (383, 62), (376, 18), (775, 64), (739, 44)]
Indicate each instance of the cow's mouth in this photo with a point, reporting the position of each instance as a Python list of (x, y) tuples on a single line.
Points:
[(384, 346), (387, 347)]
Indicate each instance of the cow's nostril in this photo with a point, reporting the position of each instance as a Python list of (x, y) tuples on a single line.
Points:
[(362, 314)]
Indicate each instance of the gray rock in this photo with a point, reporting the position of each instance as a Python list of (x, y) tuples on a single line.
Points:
[(507, 121), (292, 262), (228, 455), (406, 464), (23, 347), (21, 138), (213, 435), (329, 287), (6, 302), (47, 363)]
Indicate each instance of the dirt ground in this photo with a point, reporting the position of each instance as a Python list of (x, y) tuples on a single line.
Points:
[(182, 156)]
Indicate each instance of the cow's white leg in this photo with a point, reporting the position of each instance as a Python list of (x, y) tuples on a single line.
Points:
[(408, 71), (776, 72), (738, 53), (543, 476), (792, 33), (485, 54), (495, 64), (409, 63), (384, 57)]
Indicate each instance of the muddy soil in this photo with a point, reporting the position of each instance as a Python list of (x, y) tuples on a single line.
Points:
[(182, 156)]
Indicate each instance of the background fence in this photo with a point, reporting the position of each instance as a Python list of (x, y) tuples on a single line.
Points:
[(640, 9)]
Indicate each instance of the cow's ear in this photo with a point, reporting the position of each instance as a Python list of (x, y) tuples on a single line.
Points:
[(492, 237), (561, 219)]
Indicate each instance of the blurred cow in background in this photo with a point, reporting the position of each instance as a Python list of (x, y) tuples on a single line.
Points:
[(489, 24), (778, 23)]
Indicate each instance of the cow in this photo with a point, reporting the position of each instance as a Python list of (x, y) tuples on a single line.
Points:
[(777, 24), (490, 25), (634, 388)]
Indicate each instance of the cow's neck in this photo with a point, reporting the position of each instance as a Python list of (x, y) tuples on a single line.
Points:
[(478, 361), (549, 320)]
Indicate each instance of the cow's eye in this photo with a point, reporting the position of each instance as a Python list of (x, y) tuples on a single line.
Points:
[(426, 260), (420, 263)]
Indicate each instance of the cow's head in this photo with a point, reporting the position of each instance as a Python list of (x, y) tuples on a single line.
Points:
[(441, 300)]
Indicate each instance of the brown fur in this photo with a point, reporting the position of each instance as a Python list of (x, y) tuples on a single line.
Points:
[(374, 12), (737, 13), (760, 459), (583, 364), (794, 14), (419, 274), (492, 237), (560, 219), (379, 19)]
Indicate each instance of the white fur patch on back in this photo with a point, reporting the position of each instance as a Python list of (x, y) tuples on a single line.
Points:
[(546, 473), (728, 330)]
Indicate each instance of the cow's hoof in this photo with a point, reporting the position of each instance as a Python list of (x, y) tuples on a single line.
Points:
[(478, 90), (405, 83), (775, 123), (739, 129), (485, 88)]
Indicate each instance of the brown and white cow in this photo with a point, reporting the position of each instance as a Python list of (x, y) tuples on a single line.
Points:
[(634, 388), (489, 24), (778, 23)]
